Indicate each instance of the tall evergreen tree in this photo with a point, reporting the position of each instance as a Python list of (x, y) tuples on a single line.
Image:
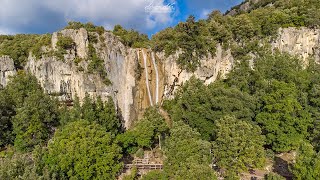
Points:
[(35, 121), (7, 111), (88, 109)]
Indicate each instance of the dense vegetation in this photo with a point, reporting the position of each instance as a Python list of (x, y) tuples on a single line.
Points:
[(90, 27), (219, 130), (131, 37), (19, 46)]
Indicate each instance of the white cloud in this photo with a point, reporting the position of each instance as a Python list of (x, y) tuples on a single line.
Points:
[(4, 31), (159, 13), (22, 15), (204, 14)]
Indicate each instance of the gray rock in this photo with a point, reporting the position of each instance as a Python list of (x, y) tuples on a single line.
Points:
[(7, 69)]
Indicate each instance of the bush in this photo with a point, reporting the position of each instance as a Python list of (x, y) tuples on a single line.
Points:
[(131, 38), (90, 27), (19, 46), (65, 42)]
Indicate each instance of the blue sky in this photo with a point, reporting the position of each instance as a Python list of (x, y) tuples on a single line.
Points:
[(47, 16)]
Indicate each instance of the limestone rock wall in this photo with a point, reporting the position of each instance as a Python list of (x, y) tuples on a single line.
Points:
[(63, 79), (302, 42), (7, 69), (211, 68)]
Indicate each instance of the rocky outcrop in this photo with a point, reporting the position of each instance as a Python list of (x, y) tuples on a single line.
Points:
[(243, 7), (80, 37), (302, 42), (7, 69), (64, 80), (210, 69)]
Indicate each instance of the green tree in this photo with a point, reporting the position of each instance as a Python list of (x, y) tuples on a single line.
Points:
[(7, 111), (18, 47), (238, 145), (200, 106), (154, 175), (75, 112), (131, 37), (314, 103), (88, 109), (83, 150), (188, 156), (21, 85), (283, 67), (145, 133), (15, 167), (243, 28), (149, 128), (307, 166), (65, 42), (35, 121), (165, 40), (282, 117), (107, 116)]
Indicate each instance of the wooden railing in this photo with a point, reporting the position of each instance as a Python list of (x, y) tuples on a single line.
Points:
[(143, 164)]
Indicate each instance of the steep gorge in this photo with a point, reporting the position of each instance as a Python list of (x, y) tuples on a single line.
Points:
[(140, 78)]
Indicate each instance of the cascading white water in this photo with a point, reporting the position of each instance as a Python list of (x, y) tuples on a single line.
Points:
[(157, 77), (147, 77)]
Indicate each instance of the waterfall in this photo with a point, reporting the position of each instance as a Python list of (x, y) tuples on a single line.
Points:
[(157, 77), (147, 77)]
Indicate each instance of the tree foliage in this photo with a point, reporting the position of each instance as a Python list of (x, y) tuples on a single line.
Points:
[(154, 175), (19, 46), (34, 121), (145, 133), (90, 27), (200, 106), (282, 117), (7, 111), (28, 113), (307, 163), (83, 150), (238, 145), (18, 166), (98, 111), (65, 42), (188, 156), (131, 37)]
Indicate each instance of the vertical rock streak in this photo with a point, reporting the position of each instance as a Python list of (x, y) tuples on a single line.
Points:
[(147, 76), (157, 77)]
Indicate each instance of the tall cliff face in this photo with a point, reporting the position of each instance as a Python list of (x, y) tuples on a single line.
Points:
[(66, 79), (140, 78)]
